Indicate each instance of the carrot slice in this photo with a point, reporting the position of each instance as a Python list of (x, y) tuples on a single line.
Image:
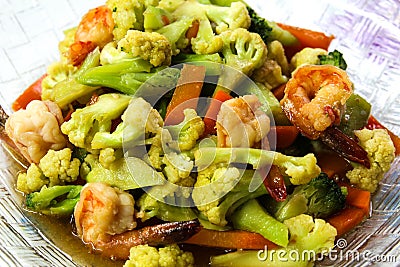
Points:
[(33, 92), (347, 219), (307, 38), (373, 123), (186, 93), (213, 109), (358, 198), (285, 135), (233, 239)]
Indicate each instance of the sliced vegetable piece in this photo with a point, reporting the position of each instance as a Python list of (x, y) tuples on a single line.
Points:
[(254, 218), (33, 92), (358, 198), (233, 239), (307, 38), (347, 219), (212, 111), (285, 136), (186, 93)]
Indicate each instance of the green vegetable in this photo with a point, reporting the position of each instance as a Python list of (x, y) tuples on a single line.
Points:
[(220, 190), (269, 30), (254, 218), (58, 200), (300, 169), (188, 58), (69, 89), (124, 173), (334, 58), (155, 18), (150, 207), (176, 34), (321, 198), (355, 116), (86, 122)]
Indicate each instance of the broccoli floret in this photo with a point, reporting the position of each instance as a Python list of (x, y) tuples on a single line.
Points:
[(269, 30), (151, 46), (308, 239), (61, 85), (334, 58), (233, 17), (31, 180), (381, 153), (307, 56), (135, 126), (176, 34), (220, 190), (321, 197), (188, 131), (59, 200), (127, 15), (149, 207), (59, 166), (86, 122), (300, 169), (168, 256)]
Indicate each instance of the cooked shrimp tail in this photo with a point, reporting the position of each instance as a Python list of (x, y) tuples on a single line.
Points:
[(118, 246), (345, 146)]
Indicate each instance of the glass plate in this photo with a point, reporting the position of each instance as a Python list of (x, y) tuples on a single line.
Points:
[(367, 32)]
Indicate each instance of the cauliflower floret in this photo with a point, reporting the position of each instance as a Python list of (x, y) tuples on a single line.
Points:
[(31, 181), (310, 235), (151, 46), (59, 166), (56, 72), (36, 129), (168, 256), (241, 122), (178, 168), (307, 56), (127, 15), (381, 153)]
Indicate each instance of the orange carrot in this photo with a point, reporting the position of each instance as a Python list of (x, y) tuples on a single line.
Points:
[(358, 198), (33, 92), (186, 93), (346, 219), (332, 163), (285, 135), (213, 109), (373, 123), (193, 30), (233, 239), (307, 38)]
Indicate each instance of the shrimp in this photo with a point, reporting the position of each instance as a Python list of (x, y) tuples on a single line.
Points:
[(105, 220), (314, 98), (103, 211), (95, 29), (241, 122)]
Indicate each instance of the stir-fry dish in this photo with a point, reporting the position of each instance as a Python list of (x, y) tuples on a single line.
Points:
[(167, 123)]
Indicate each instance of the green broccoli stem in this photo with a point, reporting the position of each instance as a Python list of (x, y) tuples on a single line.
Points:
[(70, 89), (125, 76), (254, 218), (47, 201)]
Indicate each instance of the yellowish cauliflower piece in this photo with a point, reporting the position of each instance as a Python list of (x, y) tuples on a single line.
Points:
[(32, 180), (151, 46), (307, 56), (381, 153), (36, 129), (56, 72), (59, 167), (168, 256), (127, 15)]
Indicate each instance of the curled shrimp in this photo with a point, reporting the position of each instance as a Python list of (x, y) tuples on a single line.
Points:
[(241, 122), (95, 29), (314, 98), (103, 211), (105, 220)]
